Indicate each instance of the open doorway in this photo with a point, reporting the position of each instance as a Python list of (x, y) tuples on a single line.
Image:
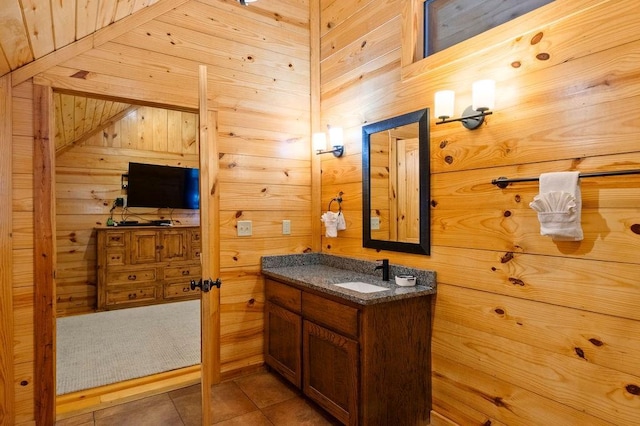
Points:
[(96, 139), (44, 267)]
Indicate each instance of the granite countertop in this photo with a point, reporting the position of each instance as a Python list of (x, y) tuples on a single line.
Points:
[(319, 271)]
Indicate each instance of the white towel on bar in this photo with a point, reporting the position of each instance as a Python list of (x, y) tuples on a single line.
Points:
[(330, 220), (559, 206), (342, 224)]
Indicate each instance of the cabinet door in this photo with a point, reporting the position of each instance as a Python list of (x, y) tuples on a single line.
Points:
[(144, 247), (330, 365), (173, 245), (283, 342)]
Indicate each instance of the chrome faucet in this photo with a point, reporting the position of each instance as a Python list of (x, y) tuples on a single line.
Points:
[(385, 269)]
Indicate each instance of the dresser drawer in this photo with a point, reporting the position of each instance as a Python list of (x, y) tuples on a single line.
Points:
[(195, 253), (179, 289), (115, 239), (195, 237), (186, 271), (115, 257), (334, 315), (131, 276), (283, 295), (132, 295)]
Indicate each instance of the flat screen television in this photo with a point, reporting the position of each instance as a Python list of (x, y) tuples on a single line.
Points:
[(151, 185)]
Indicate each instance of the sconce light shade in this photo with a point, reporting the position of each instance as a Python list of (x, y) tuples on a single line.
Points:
[(484, 95), (244, 2), (319, 141), (336, 136), (483, 100), (444, 104)]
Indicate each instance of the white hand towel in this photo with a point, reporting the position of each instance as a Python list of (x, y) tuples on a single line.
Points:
[(559, 206), (342, 224), (330, 220)]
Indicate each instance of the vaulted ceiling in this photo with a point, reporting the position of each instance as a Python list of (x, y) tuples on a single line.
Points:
[(79, 117), (32, 29), (38, 35)]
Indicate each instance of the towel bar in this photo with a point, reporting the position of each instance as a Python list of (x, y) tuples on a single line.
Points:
[(503, 182)]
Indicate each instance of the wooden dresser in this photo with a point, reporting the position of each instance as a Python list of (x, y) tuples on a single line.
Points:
[(140, 266)]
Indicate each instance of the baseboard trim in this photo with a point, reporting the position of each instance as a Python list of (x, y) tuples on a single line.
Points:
[(89, 400)]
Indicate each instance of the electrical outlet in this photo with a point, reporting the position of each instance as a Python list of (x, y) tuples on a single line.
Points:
[(245, 228), (375, 223), (119, 202), (286, 227)]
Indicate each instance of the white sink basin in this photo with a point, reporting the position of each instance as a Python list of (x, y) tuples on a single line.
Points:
[(361, 287)]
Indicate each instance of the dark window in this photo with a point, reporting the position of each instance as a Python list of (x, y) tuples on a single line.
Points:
[(448, 22)]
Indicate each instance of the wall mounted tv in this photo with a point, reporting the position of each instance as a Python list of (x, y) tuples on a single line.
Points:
[(151, 185)]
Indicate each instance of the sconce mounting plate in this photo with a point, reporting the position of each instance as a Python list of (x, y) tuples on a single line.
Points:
[(337, 151), (470, 118)]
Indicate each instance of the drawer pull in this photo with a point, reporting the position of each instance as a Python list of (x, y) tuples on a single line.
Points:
[(132, 277), (185, 272), (132, 296), (186, 289)]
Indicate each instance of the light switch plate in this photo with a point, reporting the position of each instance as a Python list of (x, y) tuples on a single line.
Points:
[(245, 228), (375, 223), (286, 227)]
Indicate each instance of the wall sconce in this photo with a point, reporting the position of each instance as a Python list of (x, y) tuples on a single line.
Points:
[(483, 100), (244, 2), (319, 141)]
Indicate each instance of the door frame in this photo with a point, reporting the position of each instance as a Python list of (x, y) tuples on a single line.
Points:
[(45, 249)]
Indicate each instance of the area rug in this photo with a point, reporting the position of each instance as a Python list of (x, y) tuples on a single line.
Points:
[(107, 347)]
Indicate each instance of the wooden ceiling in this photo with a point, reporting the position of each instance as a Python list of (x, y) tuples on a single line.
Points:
[(31, 29), (79, 117)]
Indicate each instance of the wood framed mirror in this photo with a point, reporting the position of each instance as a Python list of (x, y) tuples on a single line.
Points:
[(395, 184)]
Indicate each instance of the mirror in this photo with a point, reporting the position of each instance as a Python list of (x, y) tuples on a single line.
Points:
[(395, 184)]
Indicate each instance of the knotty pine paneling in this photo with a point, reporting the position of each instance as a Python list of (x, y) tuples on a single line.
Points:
[(22, 254), (228, 23), (604, 340), (542, 371), (23, 320), (7, 331), (24, 393), (469, 396), (520, 321), (363, 21)]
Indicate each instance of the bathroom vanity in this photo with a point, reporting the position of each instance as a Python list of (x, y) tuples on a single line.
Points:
[(363, 357)]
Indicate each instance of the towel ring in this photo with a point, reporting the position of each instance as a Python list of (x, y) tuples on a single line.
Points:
[(338, 199)]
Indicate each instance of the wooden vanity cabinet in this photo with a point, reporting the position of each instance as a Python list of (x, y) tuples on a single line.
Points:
[(146, 265), (283, 328), (364, 364)]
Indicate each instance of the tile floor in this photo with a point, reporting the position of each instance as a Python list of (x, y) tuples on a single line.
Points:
[(259, 399)]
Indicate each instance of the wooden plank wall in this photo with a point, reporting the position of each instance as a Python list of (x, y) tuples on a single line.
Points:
[(258, 62), (23, 252), (525, 330), (7, 410), (88, 180)]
